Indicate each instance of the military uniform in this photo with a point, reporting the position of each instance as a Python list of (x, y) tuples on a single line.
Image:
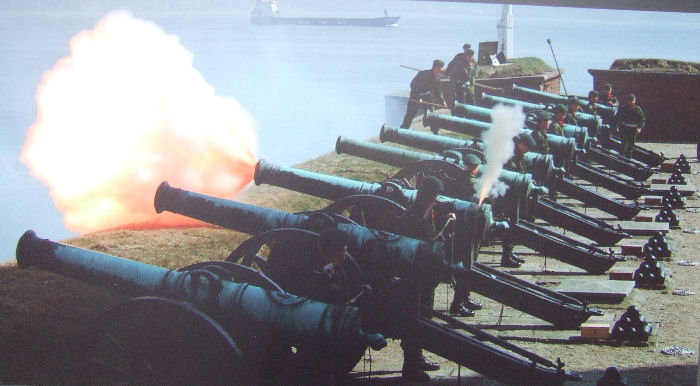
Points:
[(425, 85), (556, 128), (462, 76), (592, 108), (570, 120), (627, 121), (414, 224), (541, 144)]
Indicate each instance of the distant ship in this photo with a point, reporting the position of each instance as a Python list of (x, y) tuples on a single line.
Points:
[(266, 12)]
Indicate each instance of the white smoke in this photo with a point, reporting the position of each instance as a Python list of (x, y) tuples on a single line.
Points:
[(506, 123), (125, 111)]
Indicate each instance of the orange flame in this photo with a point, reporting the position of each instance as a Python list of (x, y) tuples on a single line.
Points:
[(486, 185), (125, 111)]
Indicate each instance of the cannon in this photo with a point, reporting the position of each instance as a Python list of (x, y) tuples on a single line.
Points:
[(578, 169), (639, 153), (613, 161), (465, 111), (528, 205), (521, 186), (373, 249), (198, 325), (563, 149), (567, 249), (536, 96), (540, 166), (591, 122)]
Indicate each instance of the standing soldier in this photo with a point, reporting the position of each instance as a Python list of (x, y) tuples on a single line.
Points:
[(629, 122), (523, 144), (592, 108), (462, 71), (572, 109), (539, 135), (418, 221), (424, 86), (557, 125), (606, 96), (461, 304)]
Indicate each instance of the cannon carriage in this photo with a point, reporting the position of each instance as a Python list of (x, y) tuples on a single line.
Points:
[(379, 255), (211, 322)]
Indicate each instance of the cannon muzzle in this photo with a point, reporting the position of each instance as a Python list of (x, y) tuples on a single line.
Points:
[(243, 310)]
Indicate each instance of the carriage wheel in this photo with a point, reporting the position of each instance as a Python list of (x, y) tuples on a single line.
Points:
[(299, 246), (235, 272), (153, 340)]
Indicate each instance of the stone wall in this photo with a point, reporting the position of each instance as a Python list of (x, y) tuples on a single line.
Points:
[(671, 102)]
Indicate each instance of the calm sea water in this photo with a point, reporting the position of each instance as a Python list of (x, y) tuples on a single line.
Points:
[(304, 85)]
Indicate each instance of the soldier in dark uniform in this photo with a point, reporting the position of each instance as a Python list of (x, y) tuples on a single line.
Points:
[(572, 108), (557, 125), (462, 304), (523, 144), (592, 108), (337, 280), (629, 122), (424, 86), (419, 222), (606, 96), (462, 71), (539, 135)]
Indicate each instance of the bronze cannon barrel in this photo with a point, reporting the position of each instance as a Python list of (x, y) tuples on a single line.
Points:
[(403, 255), (243, 310)]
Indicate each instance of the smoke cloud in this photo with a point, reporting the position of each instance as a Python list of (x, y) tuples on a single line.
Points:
[(506, 123), (125, 111)]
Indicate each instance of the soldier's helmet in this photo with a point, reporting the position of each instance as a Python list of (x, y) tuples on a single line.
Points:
[(526, 139), (472, 160), (542, 115), (560, 108)]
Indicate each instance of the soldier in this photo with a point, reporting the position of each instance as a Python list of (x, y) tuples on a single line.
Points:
[(629, 122), (606, 96), (462, 304), (592, 108), (425, 85), (572, 108), (523, 144), (337, 277), (462, 70), (418, 221), (557, 125), (540, 133), (471, 169)]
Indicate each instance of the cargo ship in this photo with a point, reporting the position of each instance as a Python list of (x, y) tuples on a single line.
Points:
[(266, 13)]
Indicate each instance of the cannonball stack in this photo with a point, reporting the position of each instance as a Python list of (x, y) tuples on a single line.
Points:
[(673, 198), (682, 164), (657, 246), (677, 178), (666, 215), (650, 274), (632, 326)]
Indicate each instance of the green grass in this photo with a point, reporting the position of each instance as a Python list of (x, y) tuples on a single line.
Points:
[(656, 65), (527, 66)]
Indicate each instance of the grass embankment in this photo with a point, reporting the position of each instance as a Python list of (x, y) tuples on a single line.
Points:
[(656, 65), (44, 315), (527, 66)]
